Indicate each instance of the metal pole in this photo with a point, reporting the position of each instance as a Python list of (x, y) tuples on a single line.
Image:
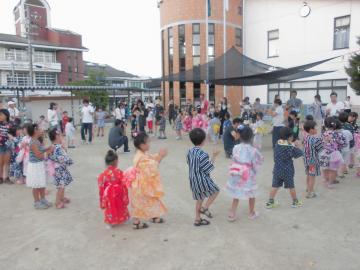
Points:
[(72, 106), (31, 71), (207, 48), (243, 39), (225, 7)]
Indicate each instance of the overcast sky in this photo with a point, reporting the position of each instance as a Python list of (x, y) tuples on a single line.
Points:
[(121, 33)]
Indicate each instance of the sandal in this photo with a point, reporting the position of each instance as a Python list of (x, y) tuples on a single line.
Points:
[(66, 200), (8, 181), (206, 212), (139, 226), (60, 206), (231, 218), (157, 220), (201, 222)]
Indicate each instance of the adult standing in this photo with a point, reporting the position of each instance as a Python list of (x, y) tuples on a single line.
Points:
[(334, 107), (158, 109), (53, 116), (117, 137), (294, 103), (223, 110), (142, 115), (87, 120), (347, 105), (120, 112), (257, 108), (189, 106), (317, 112), (4, 148), (171, 111), (13, 111), (204, 104), (277, 120)]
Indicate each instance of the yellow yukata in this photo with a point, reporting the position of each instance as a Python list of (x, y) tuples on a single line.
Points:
[(146, 189)]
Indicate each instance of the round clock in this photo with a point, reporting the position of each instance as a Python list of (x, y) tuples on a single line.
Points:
[(305, 10)]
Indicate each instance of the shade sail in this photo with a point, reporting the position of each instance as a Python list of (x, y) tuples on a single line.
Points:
[(234, 68)]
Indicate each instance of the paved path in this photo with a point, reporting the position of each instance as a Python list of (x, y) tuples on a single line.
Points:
[(324, 234)]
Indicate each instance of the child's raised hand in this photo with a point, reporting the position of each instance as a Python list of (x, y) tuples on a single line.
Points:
[(215, 153)]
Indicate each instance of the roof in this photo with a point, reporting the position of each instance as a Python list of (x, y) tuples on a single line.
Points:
[(17, 40), (108, 70)]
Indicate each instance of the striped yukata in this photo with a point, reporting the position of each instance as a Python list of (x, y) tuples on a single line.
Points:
[(200, 166), (313, 145)]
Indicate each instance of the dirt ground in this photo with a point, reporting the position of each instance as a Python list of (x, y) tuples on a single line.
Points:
[(323, 234)]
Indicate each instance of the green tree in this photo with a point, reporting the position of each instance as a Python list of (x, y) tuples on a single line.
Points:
[(354, 71), (98, 98)]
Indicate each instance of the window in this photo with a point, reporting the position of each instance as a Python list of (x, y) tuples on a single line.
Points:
[(182, 48), (44, 57), (341, 32), (171, 90), (211, 52), (19, 79), (238, 37), (171, 50), (212, 93), (16, 55), (196, 44), (273, 43), (45, 79), (196, 92), (306, 90), (240, 10)]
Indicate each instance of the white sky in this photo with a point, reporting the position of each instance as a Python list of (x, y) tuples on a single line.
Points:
[(122, 33)]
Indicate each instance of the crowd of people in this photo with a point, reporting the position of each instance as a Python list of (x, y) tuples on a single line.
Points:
[(327, 140)]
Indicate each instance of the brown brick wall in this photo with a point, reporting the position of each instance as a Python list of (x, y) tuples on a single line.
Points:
[(176, 11)]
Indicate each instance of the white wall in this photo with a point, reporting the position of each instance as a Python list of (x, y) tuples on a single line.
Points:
[(301, 40)]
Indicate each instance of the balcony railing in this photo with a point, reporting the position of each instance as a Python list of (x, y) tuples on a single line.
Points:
[(24, 66)]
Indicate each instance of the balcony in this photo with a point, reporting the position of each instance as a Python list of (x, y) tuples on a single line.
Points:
[(24, 66)]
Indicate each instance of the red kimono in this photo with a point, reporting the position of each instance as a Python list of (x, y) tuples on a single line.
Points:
[(114, 198)]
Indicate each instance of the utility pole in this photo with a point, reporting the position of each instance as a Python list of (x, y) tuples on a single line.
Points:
[(207, 48), (28, 30), (225, 9)]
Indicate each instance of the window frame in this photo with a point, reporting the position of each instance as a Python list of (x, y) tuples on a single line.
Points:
[(238, 37), (337, 18), (268, 42)]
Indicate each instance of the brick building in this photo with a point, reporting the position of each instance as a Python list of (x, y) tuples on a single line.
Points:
[(57, 54), (183, 36)]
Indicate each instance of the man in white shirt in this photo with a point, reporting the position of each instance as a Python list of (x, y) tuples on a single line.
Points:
[(334, 107), (13, 111), (120, 113), (87, 120), (277, 120)]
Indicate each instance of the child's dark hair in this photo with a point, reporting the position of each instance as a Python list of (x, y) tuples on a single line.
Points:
[(354, 114), (285, 133), (343, 117), (246, 134), (31, 129), (52, 134), (227, 115), (42, 117), (6, 113), (70, 119), (309, 117), (260, 115), (278, 101), (294, 113), (216, 114), (197, 136), (309, 124), (237, 120), (13, 129), (332, 122), (140, 139), (110, 157)]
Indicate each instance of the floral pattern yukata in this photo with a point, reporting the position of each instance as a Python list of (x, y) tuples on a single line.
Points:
[(146, 189), (187, 123), (114, 198), (57, 167), (331, 158), (246, 161)]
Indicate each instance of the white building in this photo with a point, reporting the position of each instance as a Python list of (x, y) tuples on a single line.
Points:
[(287, 33)]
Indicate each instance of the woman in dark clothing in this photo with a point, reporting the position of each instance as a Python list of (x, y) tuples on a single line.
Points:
[(171, 111), (223, 110)]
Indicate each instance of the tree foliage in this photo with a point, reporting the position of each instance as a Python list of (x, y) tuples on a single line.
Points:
[(354, 71), (97, 98)]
